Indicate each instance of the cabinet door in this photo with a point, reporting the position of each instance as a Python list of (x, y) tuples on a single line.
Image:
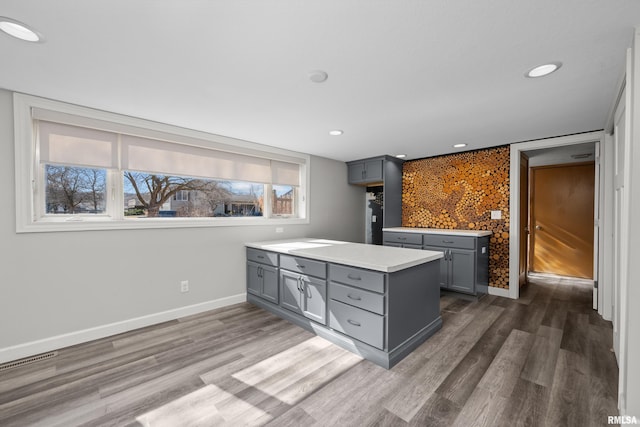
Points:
[(373, 170), (444, 265), (270, 283), (314, 299), (254, 284), (462, 270), (356, 172), (290, 291)]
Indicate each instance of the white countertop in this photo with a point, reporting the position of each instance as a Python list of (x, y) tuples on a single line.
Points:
[(373, 257), (470, 233)]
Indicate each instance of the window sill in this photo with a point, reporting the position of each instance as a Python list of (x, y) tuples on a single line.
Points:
[(93, 224)]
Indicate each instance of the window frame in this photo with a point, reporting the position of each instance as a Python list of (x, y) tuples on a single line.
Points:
[(29, 174)]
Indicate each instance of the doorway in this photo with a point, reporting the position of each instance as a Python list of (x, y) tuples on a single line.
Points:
[(578, 148), (561, 212)]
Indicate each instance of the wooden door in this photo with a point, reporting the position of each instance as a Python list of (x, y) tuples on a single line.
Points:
[(523, 265), (562, 218)]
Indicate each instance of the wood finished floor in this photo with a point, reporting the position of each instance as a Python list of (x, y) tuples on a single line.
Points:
[(542, 360)]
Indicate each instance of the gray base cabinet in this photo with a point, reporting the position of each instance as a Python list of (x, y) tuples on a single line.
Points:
[(465, 266), (304, 295), (262, 275), (457, 269), (380, 316)]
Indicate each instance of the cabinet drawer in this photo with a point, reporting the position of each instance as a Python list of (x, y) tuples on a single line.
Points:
[(403, 238), (359, 324), (263, 257), (365, 279), (357, 297), (304, 266), (446, 241)]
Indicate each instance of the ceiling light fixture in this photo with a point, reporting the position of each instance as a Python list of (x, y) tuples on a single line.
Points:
[(19, 30), (335, 132), (459, 145), (543, 70), (401, 156), (318, 76)]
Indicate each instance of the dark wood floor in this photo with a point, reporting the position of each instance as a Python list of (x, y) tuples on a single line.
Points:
[(542, 360)]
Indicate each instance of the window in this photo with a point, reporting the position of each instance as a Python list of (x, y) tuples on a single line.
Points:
[(79, 168)]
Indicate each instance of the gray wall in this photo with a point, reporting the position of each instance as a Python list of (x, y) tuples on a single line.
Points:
[(59, 283)]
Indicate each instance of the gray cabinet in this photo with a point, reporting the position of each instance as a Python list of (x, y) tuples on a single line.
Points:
[(385, 171), (402, 240), (262, 277), (465, 266), (302, 293), (457, 269), (357, 304), (366, 171), (380, 316)]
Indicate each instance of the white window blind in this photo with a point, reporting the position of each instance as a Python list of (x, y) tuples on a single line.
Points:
[(285, 173), (72, 140), (71, 145), (153, 156)]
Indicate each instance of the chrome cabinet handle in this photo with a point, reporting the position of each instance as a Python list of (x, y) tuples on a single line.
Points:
[(260, 256), (356, 298), (353, 322), (349, 276), (300, 266), (448, 241), (538, 227)]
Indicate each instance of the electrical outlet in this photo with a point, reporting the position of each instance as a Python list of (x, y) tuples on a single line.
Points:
[(496, 214), (184, 286)]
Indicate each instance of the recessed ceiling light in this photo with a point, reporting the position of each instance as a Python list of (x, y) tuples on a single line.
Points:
[(459, 145), (19, 30), (335, 132), (543, 70), (318, 76), (401, 156)]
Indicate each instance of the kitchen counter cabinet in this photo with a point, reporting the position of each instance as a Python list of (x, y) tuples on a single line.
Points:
[(262, 275), (465, 265), (375, 301)]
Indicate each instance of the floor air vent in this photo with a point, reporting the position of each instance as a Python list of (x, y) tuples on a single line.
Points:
[(28, 360)]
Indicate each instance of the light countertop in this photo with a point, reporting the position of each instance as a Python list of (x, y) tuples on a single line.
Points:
[(373, 257), (469, 233)]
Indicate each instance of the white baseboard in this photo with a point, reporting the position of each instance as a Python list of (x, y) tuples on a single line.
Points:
[(20, 351), (499, 292)]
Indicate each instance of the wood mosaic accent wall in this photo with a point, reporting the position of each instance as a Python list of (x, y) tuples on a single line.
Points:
[(459, 191)]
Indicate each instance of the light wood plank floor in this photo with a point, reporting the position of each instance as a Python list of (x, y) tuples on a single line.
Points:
[(542, 360)]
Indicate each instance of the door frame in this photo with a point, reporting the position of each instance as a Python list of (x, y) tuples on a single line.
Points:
[(514, 199)]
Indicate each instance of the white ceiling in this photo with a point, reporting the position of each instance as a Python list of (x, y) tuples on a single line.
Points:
[(411, 76)]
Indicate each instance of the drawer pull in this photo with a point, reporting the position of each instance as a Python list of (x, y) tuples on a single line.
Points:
[(352, 277), (353, 322), (356, 298), (260, 256), (448, 241), (300, 266), (402, 238)]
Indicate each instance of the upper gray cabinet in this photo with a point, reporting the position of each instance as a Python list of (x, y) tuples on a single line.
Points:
[(366, 171), (385, 171)]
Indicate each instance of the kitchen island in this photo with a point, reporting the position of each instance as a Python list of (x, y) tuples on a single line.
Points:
[(379, 302)]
